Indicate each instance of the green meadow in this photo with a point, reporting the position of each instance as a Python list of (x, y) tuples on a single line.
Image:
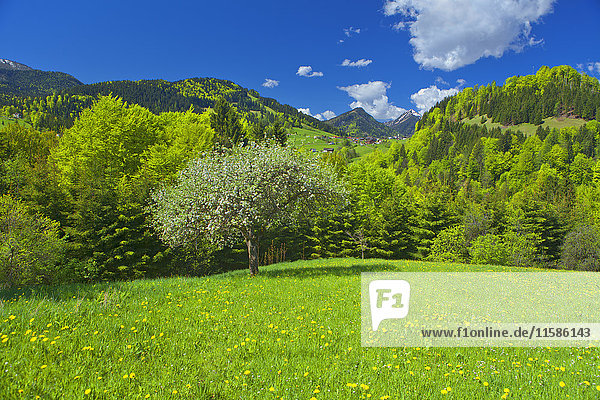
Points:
[(5, 121), (312, 139), (527, 128), (292, 332)]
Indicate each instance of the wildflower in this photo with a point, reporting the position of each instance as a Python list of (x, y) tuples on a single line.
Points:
[(246, 372), (561, 384), (353, 385), (271, 389), (43, 366), (88, 391)]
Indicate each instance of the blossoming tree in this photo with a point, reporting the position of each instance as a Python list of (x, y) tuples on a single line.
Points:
[(224, 197)]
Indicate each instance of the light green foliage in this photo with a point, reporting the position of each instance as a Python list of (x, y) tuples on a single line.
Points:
[(30, 247), (186, 136), (449, 246), (488, 249), (105, 145)]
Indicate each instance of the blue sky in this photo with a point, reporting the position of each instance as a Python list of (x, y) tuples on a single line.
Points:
[(401, 53)]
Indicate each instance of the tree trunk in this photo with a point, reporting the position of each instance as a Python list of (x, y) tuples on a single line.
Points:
[(252, 243)]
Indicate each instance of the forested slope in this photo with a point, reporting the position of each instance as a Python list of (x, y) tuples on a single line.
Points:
[(58, 110)]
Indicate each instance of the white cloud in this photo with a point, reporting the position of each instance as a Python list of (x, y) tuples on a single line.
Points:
[(461, 82), (358, 63), (441, 81), (591, 68), (325, 115), (351, 31), (449, 34), (270, 83), (373, 98), (426, 98), (399, 26), (306, 70)]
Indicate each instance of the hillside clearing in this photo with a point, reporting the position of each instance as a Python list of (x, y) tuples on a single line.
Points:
[(527, 128)]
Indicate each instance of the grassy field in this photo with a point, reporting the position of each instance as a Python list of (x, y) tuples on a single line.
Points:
[(305, 138), (530, 129), (4, 121), (293, 332)]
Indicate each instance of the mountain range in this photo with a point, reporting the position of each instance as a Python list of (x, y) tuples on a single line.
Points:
[(358, 122), (30, 91), (19, 81)]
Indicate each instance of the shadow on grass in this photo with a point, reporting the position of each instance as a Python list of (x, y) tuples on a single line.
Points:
[(66, 291), (311, 272)]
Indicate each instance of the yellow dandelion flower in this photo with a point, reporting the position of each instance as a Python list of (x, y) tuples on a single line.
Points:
[(352, 385), (364, 387), (174, 391), (43, 366), (33, 339), (444, 391), (384, 397), (147, 396), (561, 384), (506, 391), (131, 375), (271, 389), (125, 376), (11, 317), (246, 372), (598, 388), (88, 391), (486, 383), (316, 391)]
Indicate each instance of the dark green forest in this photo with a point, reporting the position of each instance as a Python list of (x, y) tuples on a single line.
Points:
[(76, 183)]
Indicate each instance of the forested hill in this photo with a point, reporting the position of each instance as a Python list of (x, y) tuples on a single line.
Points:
[(59, 109), (33, 82), (358, 122), (551, 92)]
